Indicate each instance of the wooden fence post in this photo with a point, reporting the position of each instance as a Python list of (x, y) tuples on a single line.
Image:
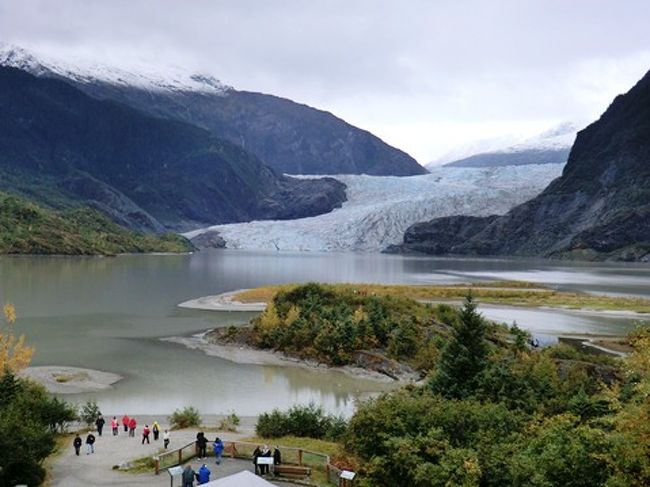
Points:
[(157, 460), (299, 456), (180, 456)]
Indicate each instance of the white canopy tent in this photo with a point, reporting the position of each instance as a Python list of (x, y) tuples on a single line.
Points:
[(241, 479)]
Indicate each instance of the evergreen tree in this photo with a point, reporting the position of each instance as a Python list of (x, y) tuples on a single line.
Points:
[(465, 355), (8, 387)]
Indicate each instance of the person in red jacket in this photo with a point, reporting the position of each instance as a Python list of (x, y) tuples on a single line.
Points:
[(145, 434), (132, 424), (125, 423), (115, 426)]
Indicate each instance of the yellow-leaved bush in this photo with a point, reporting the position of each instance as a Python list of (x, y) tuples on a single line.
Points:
[(15, 355)]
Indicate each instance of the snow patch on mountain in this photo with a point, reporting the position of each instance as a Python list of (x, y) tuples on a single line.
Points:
[(153, 78), (380, 209), (560, 137), (557, 138)]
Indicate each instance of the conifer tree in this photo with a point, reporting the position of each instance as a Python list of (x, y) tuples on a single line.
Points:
[(465, 355)]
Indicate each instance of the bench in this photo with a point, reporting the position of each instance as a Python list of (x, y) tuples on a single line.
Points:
[(292, 470)]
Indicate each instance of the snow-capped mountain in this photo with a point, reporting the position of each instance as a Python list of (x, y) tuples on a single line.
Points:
[(289, 137), (560, 137), (549, 147), (380, 209), (145, 77)]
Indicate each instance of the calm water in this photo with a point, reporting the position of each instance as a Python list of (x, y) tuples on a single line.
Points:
[(109, 313)]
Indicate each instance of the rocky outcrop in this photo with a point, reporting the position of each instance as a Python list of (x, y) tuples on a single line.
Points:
[(209, 240), (598, 209), (378, 362)]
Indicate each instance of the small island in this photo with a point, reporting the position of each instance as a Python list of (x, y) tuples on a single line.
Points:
[(376, 330), (70, 380)]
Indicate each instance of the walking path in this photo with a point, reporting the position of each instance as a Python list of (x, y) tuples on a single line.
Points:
[(68, 470)]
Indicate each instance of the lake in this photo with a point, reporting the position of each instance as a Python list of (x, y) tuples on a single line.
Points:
[(109, 313)]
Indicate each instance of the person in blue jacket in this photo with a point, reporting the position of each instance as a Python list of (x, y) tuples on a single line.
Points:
[(204, 474), (218, 449)]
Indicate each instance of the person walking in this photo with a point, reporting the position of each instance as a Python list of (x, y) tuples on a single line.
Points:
[(204, 474), (125, 422), (145, 434), (217, 446), (166, 439), (201, 445), (99, 423), (132, 425), (188, 476), (90, 443), (115, 426), (77, 444), (155, 427), (277, 456)]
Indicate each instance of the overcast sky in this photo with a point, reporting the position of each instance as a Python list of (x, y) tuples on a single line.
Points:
[(426, 76)]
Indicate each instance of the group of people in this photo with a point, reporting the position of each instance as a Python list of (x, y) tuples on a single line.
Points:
[(189, 475), (265, 451), (202, 445), (129, 425), (202, 476), (90, 443)]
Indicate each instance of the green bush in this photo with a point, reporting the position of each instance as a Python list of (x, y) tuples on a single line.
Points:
[(89, 412), (309, 421), (28, 420), (185, 418), (229, 423)]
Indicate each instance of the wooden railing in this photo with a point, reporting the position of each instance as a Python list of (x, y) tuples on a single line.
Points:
[(244, 450), (175, 457)]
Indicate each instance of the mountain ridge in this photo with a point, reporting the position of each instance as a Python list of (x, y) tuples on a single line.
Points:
[(290, 137), (62, 145)]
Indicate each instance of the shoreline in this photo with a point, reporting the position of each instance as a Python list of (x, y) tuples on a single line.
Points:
[(247, 355), (225, 302)]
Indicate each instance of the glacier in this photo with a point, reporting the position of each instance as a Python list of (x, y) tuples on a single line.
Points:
[(379, 209)]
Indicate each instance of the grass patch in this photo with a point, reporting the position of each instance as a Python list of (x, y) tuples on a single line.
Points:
[(64, 378), (316, 462), (320, 446), (511, 293), (140, 465)]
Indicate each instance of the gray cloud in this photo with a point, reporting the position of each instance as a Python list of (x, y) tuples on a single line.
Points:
[(424, 75)]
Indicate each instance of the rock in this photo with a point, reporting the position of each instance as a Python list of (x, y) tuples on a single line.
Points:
[(209, 240), (377, 362)]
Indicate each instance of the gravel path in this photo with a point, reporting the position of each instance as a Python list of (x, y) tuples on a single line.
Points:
[(68, 470)]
